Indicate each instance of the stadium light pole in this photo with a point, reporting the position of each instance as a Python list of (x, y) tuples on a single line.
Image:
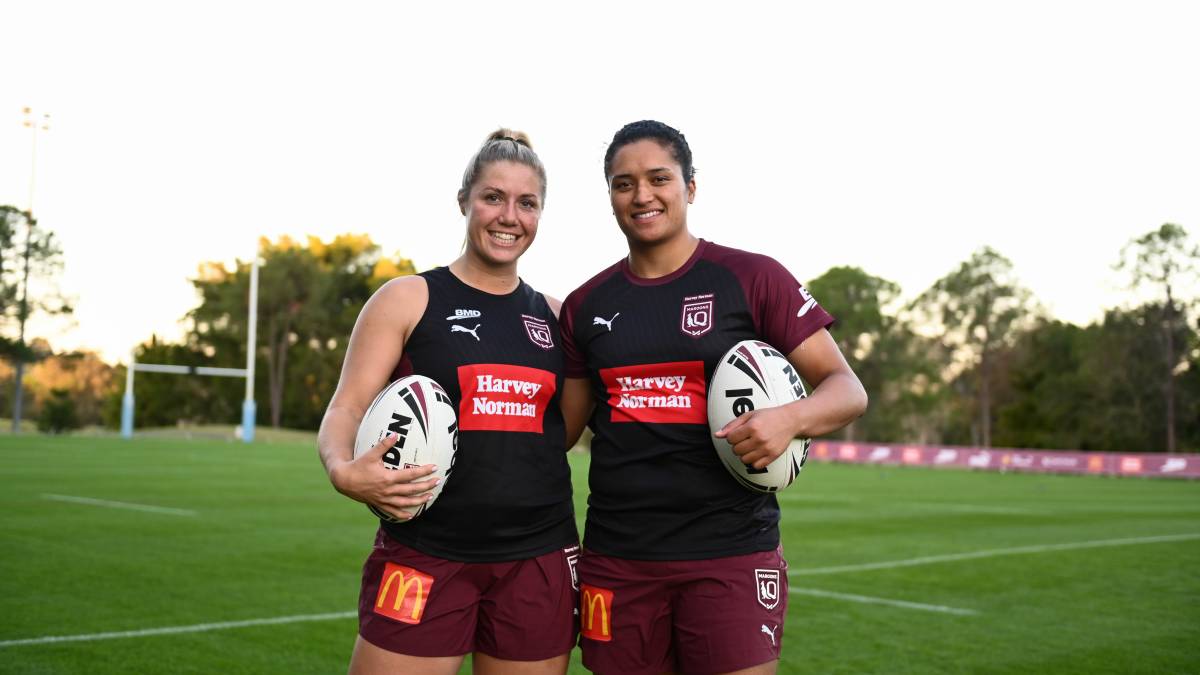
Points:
[(248, 406), (33, 124)]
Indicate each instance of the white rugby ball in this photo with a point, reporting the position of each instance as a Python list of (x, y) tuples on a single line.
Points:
[(420, 411), (754, 375)]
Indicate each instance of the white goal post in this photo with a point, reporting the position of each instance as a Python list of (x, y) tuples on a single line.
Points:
[(248, 405)]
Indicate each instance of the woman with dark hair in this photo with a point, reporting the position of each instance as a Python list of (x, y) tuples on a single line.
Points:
[(682, 569), (488, 569)]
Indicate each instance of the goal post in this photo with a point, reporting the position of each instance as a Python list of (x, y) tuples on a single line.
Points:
[(248, 406)]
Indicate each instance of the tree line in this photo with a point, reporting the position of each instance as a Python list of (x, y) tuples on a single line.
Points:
[(972, 360)]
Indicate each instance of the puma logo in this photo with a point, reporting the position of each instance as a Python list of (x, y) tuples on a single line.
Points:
[(597, 321), (463, 329), (770, 632)]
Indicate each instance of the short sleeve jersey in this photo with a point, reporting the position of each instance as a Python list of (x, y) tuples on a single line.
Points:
[(648, 348), (499, 357)]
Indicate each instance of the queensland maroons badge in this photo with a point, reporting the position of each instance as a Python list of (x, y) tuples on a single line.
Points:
[(697, 318), (768, 587), (538, 331)]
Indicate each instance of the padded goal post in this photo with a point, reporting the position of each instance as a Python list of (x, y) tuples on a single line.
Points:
[(248, 405)]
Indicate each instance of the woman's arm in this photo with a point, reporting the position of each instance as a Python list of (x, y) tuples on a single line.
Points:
[(837, 399), (577, 407), (375, 347)]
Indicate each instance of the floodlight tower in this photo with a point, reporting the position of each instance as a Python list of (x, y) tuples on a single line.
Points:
[(33, 124)]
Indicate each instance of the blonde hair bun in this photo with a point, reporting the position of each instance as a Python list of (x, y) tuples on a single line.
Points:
[(505, 134)]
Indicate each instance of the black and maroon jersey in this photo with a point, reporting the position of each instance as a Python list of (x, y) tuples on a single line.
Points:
[(649, 347), (499, 358)]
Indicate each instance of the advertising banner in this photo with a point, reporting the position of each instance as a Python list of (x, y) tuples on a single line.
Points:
[(1149, 465)]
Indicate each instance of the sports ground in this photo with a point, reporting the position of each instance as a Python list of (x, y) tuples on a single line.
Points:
[(201, 556)]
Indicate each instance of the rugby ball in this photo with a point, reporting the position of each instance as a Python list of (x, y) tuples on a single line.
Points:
[(754, 375), (421, 413)]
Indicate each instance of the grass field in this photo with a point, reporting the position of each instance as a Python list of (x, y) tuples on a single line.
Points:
[(892, 570)]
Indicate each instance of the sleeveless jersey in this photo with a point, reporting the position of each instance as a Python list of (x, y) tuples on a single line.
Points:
[(508, 495), (649, 347)]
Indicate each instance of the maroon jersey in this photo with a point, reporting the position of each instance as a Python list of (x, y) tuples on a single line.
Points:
[(649, 347), (508, 495)]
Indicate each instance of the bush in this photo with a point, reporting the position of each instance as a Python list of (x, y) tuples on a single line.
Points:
[(58, 413)]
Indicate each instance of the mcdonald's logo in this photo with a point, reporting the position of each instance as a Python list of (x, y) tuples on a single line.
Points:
[(596, 613), (395, 600)]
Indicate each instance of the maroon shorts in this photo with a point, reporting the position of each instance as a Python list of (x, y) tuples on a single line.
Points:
[(684, 616), (415, 604)]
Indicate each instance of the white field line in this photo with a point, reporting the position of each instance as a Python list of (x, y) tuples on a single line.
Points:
[(866, 599), (172, 630), (991, 553), (885, 505), (972, 508), (808, 497), (120, 505)]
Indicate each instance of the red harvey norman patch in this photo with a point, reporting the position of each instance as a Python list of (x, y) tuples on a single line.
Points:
[(502, 397), (403, 593), (664, 393)]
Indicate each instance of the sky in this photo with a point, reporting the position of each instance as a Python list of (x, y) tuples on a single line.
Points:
[(895, 137)]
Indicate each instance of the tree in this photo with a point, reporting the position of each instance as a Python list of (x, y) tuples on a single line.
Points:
[(308, 299), (35, 263), (880, 347), (1164, 258), (86, 380), (977, 310)]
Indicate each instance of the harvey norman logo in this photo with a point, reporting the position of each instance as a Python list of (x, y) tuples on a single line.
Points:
[(665, 393), (403, 593), (503, 397)]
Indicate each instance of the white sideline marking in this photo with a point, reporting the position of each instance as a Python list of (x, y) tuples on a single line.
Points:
[(926, 560), (171, 630), (974, 508), (865, 599), (807, 497), (120, 505)]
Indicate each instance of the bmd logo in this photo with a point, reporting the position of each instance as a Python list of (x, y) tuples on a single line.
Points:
[(595, 620), (403, 592)]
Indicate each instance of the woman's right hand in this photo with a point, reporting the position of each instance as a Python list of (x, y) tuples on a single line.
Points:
[(366, 479)]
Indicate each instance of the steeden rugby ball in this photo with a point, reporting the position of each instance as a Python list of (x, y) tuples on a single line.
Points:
[(420, 411), (751, 376)]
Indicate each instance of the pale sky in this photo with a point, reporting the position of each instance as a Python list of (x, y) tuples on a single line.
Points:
[(897, 137)]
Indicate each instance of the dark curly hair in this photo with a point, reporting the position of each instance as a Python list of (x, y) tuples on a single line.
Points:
[(667, 136)]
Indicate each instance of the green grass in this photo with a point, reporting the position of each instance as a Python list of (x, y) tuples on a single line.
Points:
[(270, 538)]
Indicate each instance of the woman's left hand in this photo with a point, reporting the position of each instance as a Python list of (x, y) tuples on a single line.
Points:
[(760, 436)]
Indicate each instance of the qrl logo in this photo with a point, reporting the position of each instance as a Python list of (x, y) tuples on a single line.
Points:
[(408, 591), (768, 587), (596, 613)]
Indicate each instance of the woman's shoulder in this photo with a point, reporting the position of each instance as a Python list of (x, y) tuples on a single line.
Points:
[(404, 296), (405, 287)]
